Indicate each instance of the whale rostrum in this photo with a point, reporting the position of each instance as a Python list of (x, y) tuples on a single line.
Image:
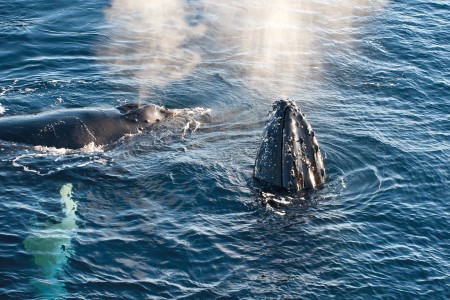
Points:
[(289, 155)]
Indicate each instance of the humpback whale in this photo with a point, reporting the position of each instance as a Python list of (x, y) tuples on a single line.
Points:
[(78, 127), (289, 156)]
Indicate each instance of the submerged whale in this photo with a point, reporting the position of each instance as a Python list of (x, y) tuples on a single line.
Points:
[(51, 247), (78, 127), (289, 155)]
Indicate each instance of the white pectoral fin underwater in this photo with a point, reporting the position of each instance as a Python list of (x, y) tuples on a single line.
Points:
[(50, 246), (289, 156)]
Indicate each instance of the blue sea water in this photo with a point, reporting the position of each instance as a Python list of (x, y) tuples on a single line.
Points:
[(161, 215)]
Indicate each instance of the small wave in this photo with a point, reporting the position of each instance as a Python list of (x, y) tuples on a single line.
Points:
[(48, 160), (55, 82), (6, 89)]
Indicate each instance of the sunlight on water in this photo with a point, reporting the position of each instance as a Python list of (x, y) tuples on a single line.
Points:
[(174, 212), (279, 43)]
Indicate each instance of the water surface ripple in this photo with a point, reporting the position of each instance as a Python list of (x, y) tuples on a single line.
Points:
[(162, 215)]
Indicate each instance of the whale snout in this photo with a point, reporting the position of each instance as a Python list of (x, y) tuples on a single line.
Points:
[(156, 114), (149, 114), (289, 155)]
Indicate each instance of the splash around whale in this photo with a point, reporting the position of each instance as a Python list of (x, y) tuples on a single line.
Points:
[(78, 127)]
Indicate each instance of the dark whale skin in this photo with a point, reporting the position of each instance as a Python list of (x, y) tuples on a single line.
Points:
[(76, 128), (289, 156)]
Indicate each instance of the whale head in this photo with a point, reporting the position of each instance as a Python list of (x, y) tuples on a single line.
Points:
[(148, 115), (289, 155)]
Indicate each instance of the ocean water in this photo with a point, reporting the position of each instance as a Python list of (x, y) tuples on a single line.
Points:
[(172, 215)]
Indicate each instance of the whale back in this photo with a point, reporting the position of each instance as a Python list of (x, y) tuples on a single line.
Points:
[(66, 128), (76, 128)]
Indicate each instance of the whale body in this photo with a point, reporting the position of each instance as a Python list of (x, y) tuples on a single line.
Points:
[(289, 156), (78, 127), (51, 247)]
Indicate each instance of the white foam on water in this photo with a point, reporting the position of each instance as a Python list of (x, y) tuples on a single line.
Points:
[(88, 149), (191, 118), (56, 155)]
